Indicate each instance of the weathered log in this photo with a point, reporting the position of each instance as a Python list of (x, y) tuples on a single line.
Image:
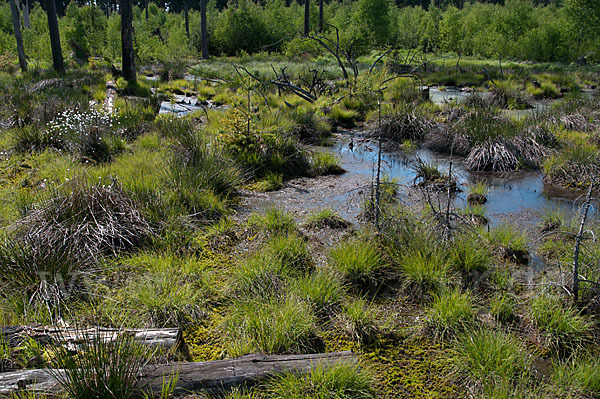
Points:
[(211, 376), (72, 337)]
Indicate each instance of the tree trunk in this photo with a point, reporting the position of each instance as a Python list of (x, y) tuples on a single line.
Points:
[(128, 58), (578, 239), (203, 29), (306, 17), (18, 37), (146, 7), (500, 64), (190, 377), (320, 16), (187, 19), (57, 58), (26, 19)]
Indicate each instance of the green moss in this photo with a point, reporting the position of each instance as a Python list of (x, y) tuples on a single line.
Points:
[(205, 342), (412, 367)]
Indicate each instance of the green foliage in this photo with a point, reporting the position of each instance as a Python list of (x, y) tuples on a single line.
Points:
[(101, 368), (270, 326), (359, 262), (290, 250), (469, 255), (166, 291), (322, 289), (493, 357), (201, 176), (326, 218), (359, 321), (503, 307), (424, 273), (563, 328), (274, 221), (580, 372), (341, 381), (324, 163), (451, 313)]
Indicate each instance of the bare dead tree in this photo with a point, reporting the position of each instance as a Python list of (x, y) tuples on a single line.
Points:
[(283, 81), (578, 239), (340, 52)]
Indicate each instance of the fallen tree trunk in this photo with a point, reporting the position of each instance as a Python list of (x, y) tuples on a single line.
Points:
[(211, 376), (72, 336)]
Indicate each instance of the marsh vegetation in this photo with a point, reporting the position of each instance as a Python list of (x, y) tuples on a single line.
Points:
[(436, 216)]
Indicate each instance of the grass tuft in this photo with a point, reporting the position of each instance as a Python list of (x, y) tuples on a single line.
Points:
[(451, 313), (341, 381), (359, 262)]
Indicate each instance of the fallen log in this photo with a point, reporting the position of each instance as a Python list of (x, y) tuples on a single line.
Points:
[(72, 337), (190, 377)]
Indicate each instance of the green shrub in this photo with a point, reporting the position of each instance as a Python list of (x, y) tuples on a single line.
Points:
[(562, 327), (340, 381), (270, 326), (359, 262), (451, 313)]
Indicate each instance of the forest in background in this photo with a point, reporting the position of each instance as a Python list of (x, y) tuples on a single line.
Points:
[(549, 31)]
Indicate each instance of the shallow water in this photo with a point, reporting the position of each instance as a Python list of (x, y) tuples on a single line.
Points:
[(516, 197)]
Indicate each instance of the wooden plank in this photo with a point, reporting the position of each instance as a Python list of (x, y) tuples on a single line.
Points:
[(214, 375)]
